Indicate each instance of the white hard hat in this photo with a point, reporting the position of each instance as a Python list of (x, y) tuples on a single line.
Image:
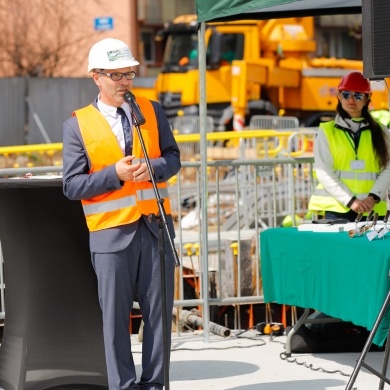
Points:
[(110, 53)]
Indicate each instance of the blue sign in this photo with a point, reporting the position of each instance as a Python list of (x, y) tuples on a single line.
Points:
[(102, 24)]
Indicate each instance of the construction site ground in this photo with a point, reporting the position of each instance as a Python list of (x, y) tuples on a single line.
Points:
[(251, 361)]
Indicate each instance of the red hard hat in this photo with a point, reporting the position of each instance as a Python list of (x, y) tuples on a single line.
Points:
[(354, 81)]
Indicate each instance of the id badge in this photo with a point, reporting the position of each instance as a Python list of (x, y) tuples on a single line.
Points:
[(358, 164)]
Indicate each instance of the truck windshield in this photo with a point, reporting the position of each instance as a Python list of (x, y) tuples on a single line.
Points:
[(181, 50), (231, 47)]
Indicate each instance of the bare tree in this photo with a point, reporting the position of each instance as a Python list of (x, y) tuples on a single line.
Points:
[(42, 38)]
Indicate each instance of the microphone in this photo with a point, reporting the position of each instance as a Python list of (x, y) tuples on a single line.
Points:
[(372, 234), (383, 231), (352, 233), (386, 218), (358, 217), (369, 216), (135, 110)]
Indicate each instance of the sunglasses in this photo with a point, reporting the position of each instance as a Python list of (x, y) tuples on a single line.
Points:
[(356, 95)]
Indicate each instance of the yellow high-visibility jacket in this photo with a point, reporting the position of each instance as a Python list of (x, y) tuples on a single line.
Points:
[(359, 181)]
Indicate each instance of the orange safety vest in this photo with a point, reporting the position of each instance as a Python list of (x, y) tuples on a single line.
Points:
[(127, 204)]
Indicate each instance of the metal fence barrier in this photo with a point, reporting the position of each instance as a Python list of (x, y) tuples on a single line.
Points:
[(245, 197), (190, 125), (274, 122)]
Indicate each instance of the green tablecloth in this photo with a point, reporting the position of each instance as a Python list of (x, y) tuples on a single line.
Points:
[(330, 272)]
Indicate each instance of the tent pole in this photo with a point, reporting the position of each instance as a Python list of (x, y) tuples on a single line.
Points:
[(203, 178)]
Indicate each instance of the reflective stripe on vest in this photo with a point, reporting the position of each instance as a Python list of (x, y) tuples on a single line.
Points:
[(126, 205), (149, 194), (348, 175), (111, 205), (359, 182), (321, 191)]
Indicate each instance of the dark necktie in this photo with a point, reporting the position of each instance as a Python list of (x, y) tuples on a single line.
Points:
[(126, 131)]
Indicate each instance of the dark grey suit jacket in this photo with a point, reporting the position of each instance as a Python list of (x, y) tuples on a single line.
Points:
[(79, 184)]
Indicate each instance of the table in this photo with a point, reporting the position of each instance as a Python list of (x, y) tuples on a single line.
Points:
[(330, 272), (53, 326)]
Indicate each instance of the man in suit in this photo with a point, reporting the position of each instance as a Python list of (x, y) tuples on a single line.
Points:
[(104, 167)]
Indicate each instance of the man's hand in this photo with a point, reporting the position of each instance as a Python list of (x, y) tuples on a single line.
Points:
[(127, 171)]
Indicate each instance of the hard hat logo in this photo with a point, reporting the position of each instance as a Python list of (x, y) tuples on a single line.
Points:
[(115, 55), (110, 53)]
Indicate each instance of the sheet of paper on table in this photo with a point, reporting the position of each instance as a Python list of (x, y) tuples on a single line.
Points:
[(336, 228), (322, 228)]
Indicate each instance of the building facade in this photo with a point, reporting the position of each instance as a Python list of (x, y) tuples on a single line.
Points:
[(52, 39), (135, 22)]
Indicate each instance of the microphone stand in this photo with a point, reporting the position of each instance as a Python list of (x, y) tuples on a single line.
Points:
[(161, 218)]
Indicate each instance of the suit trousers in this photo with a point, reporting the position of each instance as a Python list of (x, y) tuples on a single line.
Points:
[(134, 273)]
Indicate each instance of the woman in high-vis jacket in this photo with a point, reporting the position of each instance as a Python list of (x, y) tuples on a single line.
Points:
[(351, 156)]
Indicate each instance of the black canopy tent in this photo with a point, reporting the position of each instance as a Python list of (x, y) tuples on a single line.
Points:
[(376, 30), (376, 35), (224, 10)]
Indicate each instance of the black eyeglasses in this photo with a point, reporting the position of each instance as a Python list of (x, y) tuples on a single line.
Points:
[(116, 76), (356, 95)]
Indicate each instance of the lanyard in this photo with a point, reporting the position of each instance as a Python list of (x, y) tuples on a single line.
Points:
[(354, 140)]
